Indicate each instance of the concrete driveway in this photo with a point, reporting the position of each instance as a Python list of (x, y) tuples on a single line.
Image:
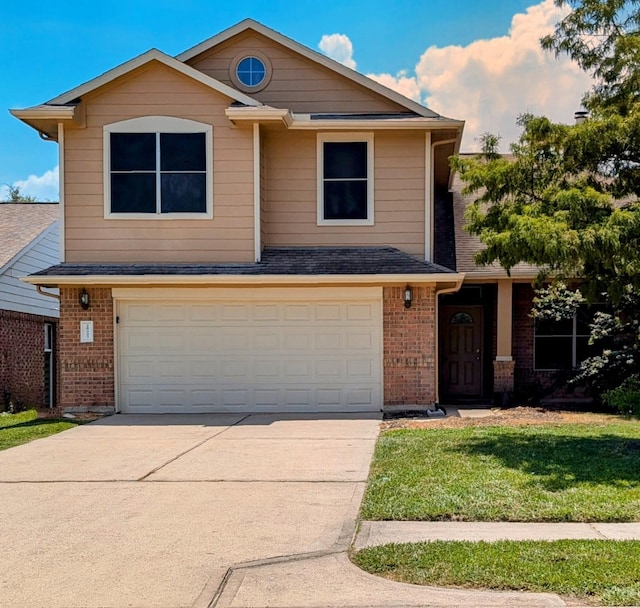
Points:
[(151, 511)]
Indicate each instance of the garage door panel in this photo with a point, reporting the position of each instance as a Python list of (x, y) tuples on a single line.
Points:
[(255, 355)]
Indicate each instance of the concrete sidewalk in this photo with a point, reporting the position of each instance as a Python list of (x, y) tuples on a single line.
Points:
[(374, 533)]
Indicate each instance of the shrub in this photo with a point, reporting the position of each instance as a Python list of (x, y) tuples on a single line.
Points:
[(626, 397)]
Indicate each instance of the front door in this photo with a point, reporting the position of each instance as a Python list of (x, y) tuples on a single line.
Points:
[(461, 351)]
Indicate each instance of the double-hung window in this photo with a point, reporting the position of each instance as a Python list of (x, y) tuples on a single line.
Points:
[(158, 167), (345, 179)]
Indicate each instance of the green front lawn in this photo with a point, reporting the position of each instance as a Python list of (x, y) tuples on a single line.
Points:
[(16, 429), (566, 472), (594, 571)]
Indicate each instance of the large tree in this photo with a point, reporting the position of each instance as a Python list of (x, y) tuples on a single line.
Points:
[(566, 199)]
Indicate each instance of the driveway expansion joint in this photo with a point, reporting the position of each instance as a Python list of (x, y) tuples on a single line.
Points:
[(193, 447)]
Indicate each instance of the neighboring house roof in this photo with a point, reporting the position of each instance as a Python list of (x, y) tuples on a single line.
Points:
[(250, 24), (276, 261), (20, 224)]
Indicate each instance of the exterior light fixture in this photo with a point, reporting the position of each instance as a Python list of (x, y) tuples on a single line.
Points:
[(84, 299), (408, 296)]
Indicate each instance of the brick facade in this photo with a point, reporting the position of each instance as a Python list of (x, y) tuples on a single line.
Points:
[(409, 347), (503, 376), (86, 369), (22, 357)]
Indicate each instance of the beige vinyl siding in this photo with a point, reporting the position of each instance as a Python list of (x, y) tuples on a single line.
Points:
[(291, 215), (156, 90), (296, 82)]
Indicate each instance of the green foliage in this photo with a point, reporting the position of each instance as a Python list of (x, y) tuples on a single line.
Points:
[(19, 428), (567, 200), (15, 195), (529, 473), (602, 36), (626, 397), (590, 571)]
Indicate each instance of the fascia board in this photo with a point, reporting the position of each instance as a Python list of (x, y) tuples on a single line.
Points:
[(337, 279)]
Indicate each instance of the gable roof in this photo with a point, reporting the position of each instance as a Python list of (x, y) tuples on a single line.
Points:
[(140, 60), (20, 225), (250, 24)]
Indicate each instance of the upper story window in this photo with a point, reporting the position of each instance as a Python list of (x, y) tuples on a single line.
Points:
[(250, 72), (158, 167), (345, 179)]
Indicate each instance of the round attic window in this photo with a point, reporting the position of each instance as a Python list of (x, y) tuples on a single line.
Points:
[(250, 73)]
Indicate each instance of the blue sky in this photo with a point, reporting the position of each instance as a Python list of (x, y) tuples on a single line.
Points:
[(466, 59)]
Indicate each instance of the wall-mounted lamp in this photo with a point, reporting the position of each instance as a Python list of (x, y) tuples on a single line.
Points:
[(408, 296), (84, 299)]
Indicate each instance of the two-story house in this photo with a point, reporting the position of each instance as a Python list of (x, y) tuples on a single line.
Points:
[(251, 226)]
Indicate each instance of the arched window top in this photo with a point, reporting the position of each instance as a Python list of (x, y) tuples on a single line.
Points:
[(461, 318)]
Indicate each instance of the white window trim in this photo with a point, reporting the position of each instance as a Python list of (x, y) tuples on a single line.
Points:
[(157, 124), (345, 137)]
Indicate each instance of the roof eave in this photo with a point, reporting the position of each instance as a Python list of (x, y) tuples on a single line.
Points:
[(226, 279), (304, 122), (45, 119), (139, 61)]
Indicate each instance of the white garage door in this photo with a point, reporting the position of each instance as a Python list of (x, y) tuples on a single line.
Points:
[(250, 350)]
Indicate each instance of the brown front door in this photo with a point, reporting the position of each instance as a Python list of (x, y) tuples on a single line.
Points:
[(461, 351)]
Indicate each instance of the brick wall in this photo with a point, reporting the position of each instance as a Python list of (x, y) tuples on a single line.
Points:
[(22, 356), (409, 347), (86, 370)]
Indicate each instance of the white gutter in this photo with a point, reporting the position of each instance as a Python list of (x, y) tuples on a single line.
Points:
[(304, 122), (249, 280), (440, 292)]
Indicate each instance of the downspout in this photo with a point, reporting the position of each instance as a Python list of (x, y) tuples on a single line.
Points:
[(429, 211), (45, 293), (440, 292)]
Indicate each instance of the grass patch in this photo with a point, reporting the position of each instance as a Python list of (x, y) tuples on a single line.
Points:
[(595, 571), (16, 429), (569, 472)]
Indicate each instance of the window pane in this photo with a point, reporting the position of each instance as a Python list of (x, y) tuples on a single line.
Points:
[(133, 193), (182, 152), (133, 151), (583, 350), (554, 353), (564, 327), (345, 200), (184, 193), (251, 71), (345, 159)]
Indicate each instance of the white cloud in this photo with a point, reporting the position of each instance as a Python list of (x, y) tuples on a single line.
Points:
[(43, 187), (338, 47), (489, 82)]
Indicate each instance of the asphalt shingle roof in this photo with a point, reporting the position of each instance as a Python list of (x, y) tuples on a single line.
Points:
[(20, 223), (275, 261)]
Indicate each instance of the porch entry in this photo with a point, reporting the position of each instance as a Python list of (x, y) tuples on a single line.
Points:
[(461, 346)]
